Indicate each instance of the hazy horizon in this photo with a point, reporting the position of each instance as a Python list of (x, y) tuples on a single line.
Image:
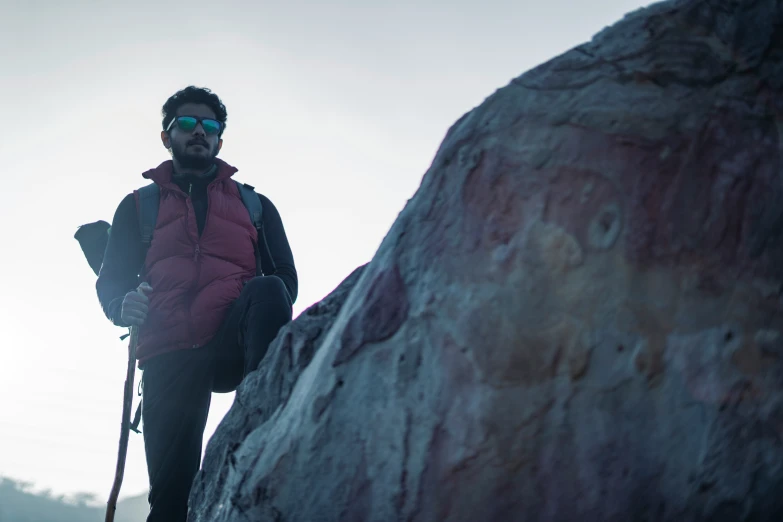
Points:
[(334, 112)]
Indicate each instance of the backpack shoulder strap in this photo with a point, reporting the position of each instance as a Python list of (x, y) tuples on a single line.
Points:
[(149, 202), (255, 209), (252, 204)]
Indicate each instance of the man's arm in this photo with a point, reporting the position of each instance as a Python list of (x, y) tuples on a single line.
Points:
[(122, 261), (278, 248)]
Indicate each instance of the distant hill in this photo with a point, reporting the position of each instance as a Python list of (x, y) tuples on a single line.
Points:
[(131, 509), (18, 503)]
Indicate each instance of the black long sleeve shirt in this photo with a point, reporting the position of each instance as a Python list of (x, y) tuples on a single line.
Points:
[(124, 256)]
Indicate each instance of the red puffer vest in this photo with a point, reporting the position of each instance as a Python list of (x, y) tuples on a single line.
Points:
[(194, 279)]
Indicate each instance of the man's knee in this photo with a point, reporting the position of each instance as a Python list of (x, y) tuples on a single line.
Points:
[(269, 289)]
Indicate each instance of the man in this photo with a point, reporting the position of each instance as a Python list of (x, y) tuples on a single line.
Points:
[(206, 318)]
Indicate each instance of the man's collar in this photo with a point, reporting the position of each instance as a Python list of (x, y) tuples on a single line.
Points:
[(211, 172)]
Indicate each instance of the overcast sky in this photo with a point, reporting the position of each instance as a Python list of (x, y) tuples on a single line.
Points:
[(335, 110)]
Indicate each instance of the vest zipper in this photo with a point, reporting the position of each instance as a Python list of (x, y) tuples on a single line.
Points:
[(197, 261), (196, 253)]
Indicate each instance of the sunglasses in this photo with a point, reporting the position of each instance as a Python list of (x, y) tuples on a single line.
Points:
[(188, 123)]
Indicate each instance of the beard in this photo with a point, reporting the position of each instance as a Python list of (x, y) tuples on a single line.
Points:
[(193, 161)]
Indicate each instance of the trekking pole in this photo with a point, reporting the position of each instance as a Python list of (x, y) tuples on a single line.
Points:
[(127, 404)]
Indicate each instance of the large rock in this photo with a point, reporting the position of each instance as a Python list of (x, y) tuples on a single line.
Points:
[(577, 317)]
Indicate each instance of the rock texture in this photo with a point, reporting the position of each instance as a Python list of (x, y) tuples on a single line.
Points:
[(576, 318)]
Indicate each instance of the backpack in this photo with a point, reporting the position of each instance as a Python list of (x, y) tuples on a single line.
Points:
[(149, 198), (94, 236)]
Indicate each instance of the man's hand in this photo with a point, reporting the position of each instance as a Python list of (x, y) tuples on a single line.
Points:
[(135, 306)]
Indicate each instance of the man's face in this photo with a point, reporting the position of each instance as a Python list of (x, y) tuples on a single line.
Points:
[(195, 148)]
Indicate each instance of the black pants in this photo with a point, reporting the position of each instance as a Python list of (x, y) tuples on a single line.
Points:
[(178, 389)]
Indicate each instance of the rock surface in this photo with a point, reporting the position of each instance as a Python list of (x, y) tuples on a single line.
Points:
[(576, 318)]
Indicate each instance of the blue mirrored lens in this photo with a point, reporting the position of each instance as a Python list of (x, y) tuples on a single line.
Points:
[(186, 123), (211, 126)]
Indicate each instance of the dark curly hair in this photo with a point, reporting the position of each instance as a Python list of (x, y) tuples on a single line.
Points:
[(193, 94)]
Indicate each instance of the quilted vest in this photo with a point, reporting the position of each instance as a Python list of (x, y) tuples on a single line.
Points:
[(194, 279)]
